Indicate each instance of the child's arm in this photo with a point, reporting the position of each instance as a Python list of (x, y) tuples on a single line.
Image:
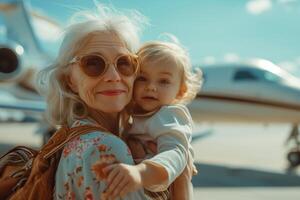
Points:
[(123, 178), (182, 188), (172, 127), (172, 154)]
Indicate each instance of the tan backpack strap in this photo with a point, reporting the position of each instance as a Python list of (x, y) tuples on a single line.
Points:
[(66, 135)]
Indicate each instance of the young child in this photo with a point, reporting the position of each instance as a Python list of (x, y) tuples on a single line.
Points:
[(165, 83), (161, 129)]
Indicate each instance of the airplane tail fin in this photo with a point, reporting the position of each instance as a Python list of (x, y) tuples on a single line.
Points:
[(19, 27)]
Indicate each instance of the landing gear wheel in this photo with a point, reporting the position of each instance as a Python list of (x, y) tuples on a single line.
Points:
[(294, 158)]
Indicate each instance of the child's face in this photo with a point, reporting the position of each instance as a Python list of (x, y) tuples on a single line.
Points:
[(157, 84)]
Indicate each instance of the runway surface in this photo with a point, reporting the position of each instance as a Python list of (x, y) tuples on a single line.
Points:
[(244, 161), (235, 161)]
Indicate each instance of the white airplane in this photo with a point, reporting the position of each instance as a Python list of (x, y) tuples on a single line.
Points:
[(255, 91), (252, 91)]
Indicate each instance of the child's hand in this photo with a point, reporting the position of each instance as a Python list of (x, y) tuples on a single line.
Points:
[(105, 160), (121, 180)]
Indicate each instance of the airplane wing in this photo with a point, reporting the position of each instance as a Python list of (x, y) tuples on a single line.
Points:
[(15, 109), (24, 105)]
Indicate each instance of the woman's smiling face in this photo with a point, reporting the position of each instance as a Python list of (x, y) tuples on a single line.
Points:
[(111, 91)]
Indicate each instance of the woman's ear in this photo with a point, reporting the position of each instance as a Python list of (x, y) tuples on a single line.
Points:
[(71, 83)]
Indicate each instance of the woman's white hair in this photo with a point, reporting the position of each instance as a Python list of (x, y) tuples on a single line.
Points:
[(63, 106), (162, 52)]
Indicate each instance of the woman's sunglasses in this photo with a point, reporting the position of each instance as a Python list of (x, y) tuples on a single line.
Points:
[(95, 65)]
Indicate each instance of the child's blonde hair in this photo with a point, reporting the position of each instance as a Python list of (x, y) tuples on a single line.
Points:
[(161, 51)]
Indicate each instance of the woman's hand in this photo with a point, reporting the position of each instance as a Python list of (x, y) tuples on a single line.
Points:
[(121, 180)]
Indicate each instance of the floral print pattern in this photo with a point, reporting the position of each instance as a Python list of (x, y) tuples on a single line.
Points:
[(79, 174), (79, 146), (104, 161)]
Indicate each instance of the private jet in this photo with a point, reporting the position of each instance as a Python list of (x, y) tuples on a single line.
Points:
[(252, 91), (256, 90)]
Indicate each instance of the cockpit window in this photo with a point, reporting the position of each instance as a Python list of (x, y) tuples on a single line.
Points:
[(245, 75), (268, 76), (255, 74)]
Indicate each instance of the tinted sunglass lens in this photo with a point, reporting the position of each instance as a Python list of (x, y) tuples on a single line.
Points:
[(125, 66), (93, 65)]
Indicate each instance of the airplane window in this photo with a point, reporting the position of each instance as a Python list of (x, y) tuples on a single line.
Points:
[(268, 76), (244, 75)]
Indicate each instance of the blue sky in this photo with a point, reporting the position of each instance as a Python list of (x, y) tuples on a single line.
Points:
[(212, 30)]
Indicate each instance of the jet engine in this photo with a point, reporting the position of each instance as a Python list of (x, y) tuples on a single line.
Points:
[(10, 61)]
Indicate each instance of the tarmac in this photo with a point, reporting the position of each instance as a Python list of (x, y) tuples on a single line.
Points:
[(244, 162), (235, 161)]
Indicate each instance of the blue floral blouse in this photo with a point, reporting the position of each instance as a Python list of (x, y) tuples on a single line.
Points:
[(81, 157)]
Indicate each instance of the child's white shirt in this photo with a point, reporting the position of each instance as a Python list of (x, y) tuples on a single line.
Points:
[(171, 128)]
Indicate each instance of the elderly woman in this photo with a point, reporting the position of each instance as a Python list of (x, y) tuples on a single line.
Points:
[(91, 83)]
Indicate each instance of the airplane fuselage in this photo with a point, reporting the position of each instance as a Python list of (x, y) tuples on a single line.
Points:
[(255, 92)]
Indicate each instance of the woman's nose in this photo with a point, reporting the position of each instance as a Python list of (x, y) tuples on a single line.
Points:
[(111, 74)]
